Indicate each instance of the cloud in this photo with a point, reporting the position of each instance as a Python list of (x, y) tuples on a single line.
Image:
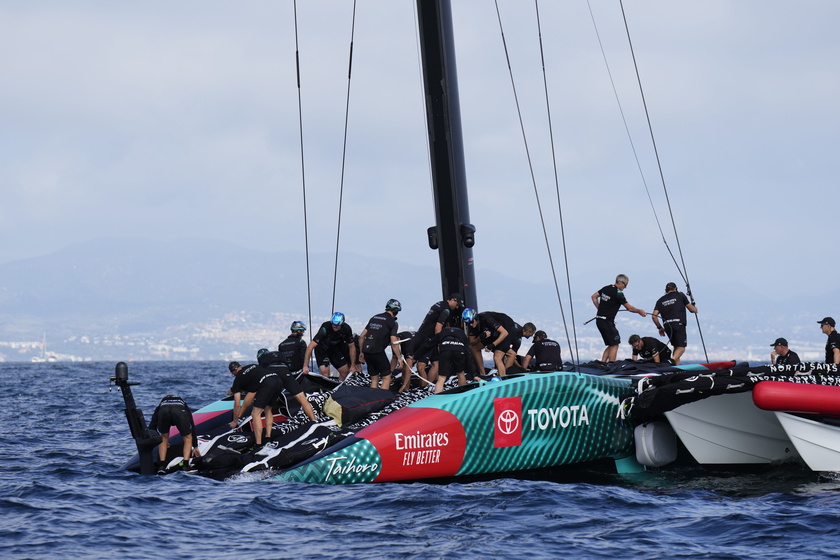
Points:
[(166, 120)]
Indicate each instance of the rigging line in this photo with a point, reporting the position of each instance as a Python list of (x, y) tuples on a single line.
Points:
[(302, 168), (630, 136), (530, 162), (343, 154), (576, 352), (652, 138), (684, 271)]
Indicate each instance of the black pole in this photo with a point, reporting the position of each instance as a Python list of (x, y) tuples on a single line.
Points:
[(453, 235), (145, 439)]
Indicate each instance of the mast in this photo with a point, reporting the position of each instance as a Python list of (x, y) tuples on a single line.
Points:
[(453, 235)]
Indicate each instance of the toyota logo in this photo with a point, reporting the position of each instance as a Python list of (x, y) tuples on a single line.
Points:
[(508, 422)]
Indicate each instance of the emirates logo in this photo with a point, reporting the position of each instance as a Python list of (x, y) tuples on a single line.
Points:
[(507, 422)]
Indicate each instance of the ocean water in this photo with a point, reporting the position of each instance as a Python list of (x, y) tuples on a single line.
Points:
[(62, 495)]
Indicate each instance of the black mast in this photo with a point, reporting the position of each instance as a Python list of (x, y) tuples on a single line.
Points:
[(453, 234)]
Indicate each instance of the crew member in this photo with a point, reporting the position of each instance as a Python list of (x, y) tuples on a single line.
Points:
[(672, 307), (381, 332), (608, 300), (173, 411), (832, 345), (332, 344), (649, 349), (546, 354), (782, 355)]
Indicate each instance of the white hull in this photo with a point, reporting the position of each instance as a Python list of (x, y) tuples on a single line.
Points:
[(731, 430), (817, 443)]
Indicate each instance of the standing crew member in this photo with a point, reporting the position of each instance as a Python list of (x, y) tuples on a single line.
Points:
[(608, 300), (832, 345), (380, 333), (672, 306)]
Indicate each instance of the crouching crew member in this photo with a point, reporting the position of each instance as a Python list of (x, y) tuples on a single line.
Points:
[(545, 352), (262, 388), (293, 349), (649, 349), (332, 344), (173, 411)]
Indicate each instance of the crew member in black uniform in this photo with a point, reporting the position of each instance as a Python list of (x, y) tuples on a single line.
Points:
[(173, 411), (608, 300), (497, 333), (333, 344), (832, 345), (452, 344), (423, 344), (380, 333), (262, 387), (545, 353), (672, 308), (649, 349), (782, 355), (293, 349)]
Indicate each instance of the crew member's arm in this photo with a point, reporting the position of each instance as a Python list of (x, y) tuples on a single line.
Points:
[(596, 299), (395, 348), (308, 356), (361, 356), (351, 349), (526, 363), (249, 398), (659, 327), (632, 309)]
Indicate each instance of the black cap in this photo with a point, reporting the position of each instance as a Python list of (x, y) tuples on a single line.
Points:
[(233, 366), (670, 286), (780, 342), (827, 321), (458, 298)]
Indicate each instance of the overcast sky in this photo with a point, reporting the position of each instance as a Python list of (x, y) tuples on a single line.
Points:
[(171, 119)]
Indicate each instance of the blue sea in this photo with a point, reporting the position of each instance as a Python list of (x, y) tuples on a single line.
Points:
[(63, 495)]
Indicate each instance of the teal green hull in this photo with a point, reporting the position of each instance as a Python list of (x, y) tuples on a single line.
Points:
[(528, 422)]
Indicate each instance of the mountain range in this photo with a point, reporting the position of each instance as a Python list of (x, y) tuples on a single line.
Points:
[(207, 299)]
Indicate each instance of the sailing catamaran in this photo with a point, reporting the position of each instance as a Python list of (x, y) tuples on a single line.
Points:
[(526, 421)]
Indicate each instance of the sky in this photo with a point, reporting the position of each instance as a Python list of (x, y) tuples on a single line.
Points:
[(165, 120)]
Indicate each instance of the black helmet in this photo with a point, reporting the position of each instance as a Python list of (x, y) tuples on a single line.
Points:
[(261, 352), (393, 305), (298, 326)]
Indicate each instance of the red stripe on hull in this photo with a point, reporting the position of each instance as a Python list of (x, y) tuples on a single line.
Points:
[(804, 398)]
